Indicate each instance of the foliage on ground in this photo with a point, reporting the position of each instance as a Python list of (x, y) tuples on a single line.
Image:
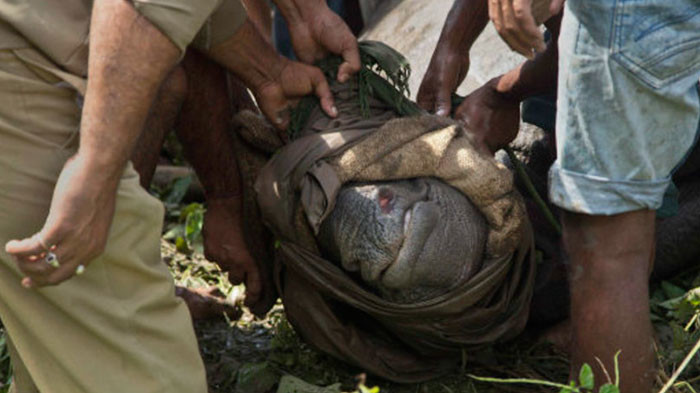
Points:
[(269, 352), (265, 355)]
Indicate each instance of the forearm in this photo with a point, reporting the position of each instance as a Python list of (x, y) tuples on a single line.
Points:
[(248, 56), (465, 22), (214, 160), (129, 59), (532, 77), (203, 128), (535, 76), (260, 14), (294, 10)]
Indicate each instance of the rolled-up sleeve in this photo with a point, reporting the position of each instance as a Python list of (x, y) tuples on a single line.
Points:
[(223, 24), (204, 22)]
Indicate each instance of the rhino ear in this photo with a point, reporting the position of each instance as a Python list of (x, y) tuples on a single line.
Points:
[(256, 131)]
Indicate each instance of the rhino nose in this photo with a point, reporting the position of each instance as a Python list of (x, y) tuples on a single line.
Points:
[(385, 199)]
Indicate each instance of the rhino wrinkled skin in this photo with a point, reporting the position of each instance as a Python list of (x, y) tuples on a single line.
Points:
[(410, 240)]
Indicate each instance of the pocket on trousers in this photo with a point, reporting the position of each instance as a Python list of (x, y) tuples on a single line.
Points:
[(657, 40), (36, 106)]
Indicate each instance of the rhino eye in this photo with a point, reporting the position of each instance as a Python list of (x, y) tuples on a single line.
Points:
[(385, 199)]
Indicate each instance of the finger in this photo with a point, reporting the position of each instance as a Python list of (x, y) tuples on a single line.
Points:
[(27, 282), (273, 104), (59, 275), (35, 268), (253, 286), (496, 15), (511, 31), (283, 117), (25, 248), (351, 63), (425, 98), (527, 26), (323, 92), (516, 43), (70, 260), (443, 103)]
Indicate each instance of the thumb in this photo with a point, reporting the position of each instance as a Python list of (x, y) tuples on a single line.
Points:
[(443, 103), (274, 105), (25, 247)]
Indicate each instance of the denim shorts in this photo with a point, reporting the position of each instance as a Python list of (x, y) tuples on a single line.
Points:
[(628, 105)]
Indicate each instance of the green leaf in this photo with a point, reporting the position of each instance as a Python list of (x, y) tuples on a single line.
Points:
[(255, 378), (181, 245), (194, 222), (178, 190), (609, 388), (174, 232), (291, 384), (189, 209), (364, 389), (672, 291), (585, 377)]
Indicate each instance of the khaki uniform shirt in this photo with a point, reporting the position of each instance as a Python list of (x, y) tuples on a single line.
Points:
[(59, 30)]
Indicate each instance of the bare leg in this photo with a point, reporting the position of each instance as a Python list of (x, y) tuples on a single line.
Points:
[(160, 122), (611, 259), (203, 129), (164, 115)]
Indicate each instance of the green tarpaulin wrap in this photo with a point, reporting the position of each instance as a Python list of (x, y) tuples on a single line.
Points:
[(373, 140)]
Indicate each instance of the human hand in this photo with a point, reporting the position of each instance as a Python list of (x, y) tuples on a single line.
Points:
[(291, 81), (491, 117), (316, 30), (224, 244), (448, 68), (514, 21), (76, 228), (276, 82)]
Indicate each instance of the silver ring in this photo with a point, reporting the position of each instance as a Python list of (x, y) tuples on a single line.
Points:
[(51, 259)]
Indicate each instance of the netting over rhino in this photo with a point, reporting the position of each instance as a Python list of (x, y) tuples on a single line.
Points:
[(380, 137)]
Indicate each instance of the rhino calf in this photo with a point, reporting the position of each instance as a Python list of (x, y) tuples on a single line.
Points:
[(413, 240)]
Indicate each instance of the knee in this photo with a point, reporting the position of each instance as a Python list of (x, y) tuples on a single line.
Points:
[(174, 87)]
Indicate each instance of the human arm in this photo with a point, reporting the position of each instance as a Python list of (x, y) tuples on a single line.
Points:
[(492, 112), (450, 61), (129, 58), (260, 14), (316, 30), (275, 81)]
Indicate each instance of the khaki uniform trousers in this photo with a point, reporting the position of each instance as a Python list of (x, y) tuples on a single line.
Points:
[(116, 328)]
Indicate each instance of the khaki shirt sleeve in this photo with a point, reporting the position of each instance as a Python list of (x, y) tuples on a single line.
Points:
[(222, 24), (210, 21)]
